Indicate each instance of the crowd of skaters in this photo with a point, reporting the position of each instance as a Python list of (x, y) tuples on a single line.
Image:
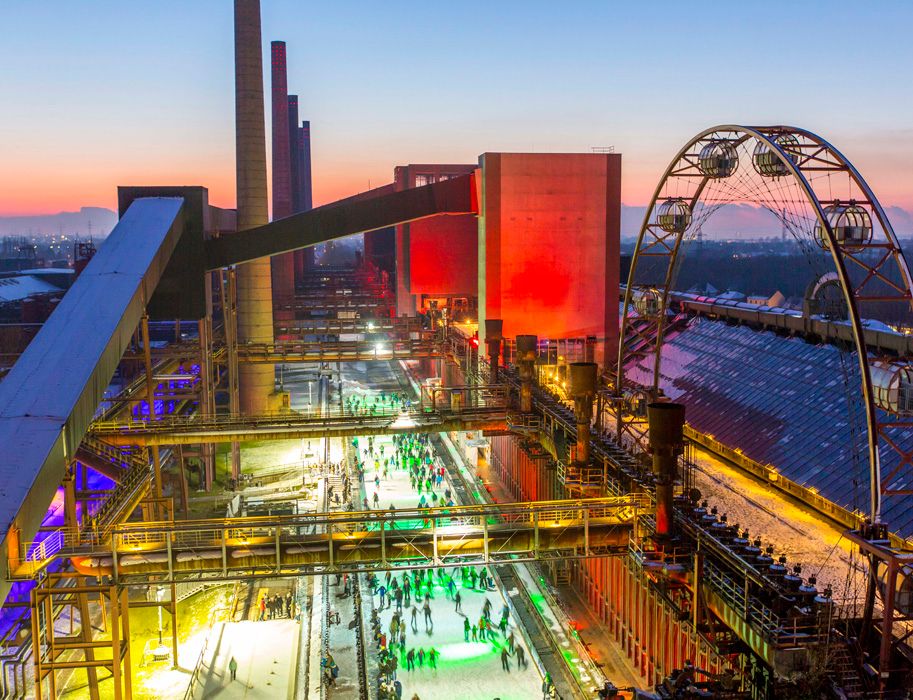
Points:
[(409, 593)]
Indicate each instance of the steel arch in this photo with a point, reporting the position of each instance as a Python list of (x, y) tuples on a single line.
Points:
[(809, 154)]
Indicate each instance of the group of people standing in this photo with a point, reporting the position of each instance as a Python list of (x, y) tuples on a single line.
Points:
[(272, 607)]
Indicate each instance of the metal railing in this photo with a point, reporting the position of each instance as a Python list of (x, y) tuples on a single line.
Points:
[(430, 534)]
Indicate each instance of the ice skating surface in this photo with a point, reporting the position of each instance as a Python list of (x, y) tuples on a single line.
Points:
[(465, 670)]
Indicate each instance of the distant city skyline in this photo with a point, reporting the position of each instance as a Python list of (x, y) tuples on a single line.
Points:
[(104, 93)]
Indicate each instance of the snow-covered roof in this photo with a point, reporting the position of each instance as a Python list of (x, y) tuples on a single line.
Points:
[(784, 402), (18, 288)]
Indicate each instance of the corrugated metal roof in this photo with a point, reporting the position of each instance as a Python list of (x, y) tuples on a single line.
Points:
[(782, 401)]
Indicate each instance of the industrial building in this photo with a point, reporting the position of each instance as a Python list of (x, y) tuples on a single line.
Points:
[(473, 463)]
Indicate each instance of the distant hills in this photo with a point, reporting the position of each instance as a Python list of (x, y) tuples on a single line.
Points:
[(70, 223), (749, 221), (734, 220)]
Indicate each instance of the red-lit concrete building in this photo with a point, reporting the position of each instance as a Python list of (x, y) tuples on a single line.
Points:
[(548, 244), (436, 258)]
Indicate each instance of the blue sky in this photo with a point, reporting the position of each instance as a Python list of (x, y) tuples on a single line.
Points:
[(98, 93)]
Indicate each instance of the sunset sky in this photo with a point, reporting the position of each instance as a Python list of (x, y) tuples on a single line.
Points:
[(99, 93)]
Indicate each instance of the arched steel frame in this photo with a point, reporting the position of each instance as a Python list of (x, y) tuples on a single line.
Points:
[(807, 156)]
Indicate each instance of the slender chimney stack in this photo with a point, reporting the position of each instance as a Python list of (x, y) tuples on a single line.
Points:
[(254, 288), (294, 182), (283, 266), (304, 259)]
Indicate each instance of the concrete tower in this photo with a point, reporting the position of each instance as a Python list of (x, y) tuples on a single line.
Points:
[(304, 259), (293, 152), (255, 309), (283, 266)]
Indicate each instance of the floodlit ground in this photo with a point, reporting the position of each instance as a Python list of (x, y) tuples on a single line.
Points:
[(153, 680), (800, 533)]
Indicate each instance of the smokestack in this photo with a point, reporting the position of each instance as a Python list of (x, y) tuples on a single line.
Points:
[(283, 266), (304, 259), (294, 182), (255, 311), (494, 329), (666, 422), (584, 377)]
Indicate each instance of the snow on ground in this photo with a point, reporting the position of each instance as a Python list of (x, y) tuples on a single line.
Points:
[(799, 533), (262, 652), (465, 670)]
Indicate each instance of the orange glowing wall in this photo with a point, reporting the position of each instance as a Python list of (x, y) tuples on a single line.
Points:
[(549, 244)]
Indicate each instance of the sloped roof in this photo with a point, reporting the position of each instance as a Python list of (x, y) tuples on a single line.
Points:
[(784, 402), (18, 288)]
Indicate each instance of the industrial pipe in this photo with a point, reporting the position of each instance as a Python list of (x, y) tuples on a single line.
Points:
[(494, 329), (526, 364), (583, 390), (666, 442)]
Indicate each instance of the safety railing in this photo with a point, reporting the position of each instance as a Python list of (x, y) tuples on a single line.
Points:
[(792, 629), (337, 350), (307, 528)]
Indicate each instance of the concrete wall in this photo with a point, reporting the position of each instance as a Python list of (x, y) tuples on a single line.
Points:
[(436, 256), (549, 244)]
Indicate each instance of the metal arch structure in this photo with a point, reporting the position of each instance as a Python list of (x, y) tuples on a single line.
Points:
[(804, 158)]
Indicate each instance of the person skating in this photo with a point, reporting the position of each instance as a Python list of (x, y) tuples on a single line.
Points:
[(466, 627), (233, 667), (421, 657), (427, 610), (547, 686), (475, 633), (458, 599), (432, 657), (521, 657), (414, 620), (486, 609), (510, 642), (505, 660), (410, 660)]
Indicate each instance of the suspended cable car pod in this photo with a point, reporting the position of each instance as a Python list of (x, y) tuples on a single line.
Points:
[(850, 224), (768, 162), (674, 215), (718, 159)]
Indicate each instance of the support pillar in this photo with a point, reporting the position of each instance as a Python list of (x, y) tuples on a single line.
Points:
[(207, 397), (230, 320), (150, 399), (526, 363), (493, 337)]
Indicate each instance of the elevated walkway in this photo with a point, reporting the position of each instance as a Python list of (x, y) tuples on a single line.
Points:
[(482, 408), (231, 548), (337, 351)]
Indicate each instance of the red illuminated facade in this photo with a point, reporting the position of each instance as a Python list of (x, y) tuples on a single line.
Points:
[(436, 258), (549, 231)]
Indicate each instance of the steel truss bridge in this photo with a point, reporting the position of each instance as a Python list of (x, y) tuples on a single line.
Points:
[(487, 410), (233, 548)]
